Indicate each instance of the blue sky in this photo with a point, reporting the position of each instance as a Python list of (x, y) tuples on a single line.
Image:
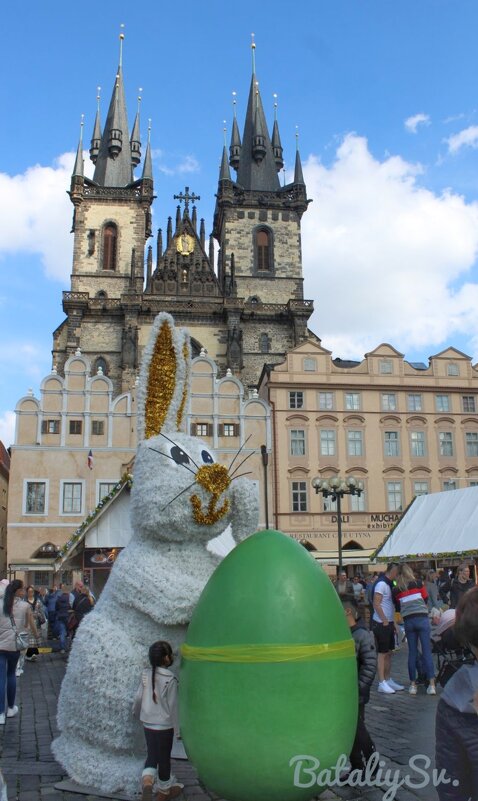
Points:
[(385, 97)]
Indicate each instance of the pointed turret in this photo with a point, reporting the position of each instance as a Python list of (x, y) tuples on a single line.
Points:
[(298, 175), (135, 142), (169, 232), (257, 168), (159, 247), (113, 164), (202, 234), (224, 173), (78, 169), (96, 138), (211, 251), (235, 146), (194, 218), (178, 219), (149, 266), (148, 163), (277, 147)]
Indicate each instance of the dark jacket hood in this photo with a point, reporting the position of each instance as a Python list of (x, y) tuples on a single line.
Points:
[(461, 688)]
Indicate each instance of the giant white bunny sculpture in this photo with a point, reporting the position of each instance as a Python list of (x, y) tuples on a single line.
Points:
[(181, 498)]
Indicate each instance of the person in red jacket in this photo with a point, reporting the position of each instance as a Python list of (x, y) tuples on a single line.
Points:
[(412, 597)]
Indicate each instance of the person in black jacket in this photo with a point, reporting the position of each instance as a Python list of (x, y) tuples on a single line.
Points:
[(460, 584), (456, 726), (62, 609), (366, 654)]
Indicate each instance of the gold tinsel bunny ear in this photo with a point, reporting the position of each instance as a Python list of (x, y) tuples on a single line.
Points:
[(163, 379)]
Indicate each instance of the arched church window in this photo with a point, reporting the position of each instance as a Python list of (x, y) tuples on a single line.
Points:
[(101, 363), (101, 295), (110, 238), (263, 249), (264, 343)]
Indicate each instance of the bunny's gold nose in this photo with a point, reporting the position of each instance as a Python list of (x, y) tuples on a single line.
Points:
[(214, 478)]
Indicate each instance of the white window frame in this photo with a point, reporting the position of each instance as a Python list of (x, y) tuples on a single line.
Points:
[(352, 401), (113, 482), (389, 402), (327, 443), (301, 494), (310, 365), (418, 448), (326, 401), (63, 483), (358, 502), (329, 505), (391, 438), (199, 431), (453, 369), (296, 399), (441, 404), (394, 494), (228, 430), (445, 439), (419, 492), (465, 399), (354, 440), (414, 405), (101, 423), (449, 484), (294, 440), (473, 436), (385, 367), (27, 481)]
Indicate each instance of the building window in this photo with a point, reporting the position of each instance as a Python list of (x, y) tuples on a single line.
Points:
[(417, 443), (326, 401), (201, 429), (100, 364), (386, 367), (471, 438), (41, 578), (264, 343), (299, 496), (354, 443), (110, 237), (420, 488), (229, 430), (329, 505), (97, 427), (445, 439), (35, 498), (453, 369), (469, 404), (389, 402), (327, 443), (104, 489), (449, 484), (357, 503), (297, 442), (72, 493), (310, 365), (442, 403), (414, 403), (263, 250), (296, 400), (394, 496), (352, 401), (473, 484), (391, 443), (50, 427), (76, 426)]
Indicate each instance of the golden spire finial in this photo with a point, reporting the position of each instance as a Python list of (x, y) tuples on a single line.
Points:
[(234, 102), (140, 89), (296, 137), (253, 48), (224, 130), (275, 105), (149, 131), (121, 36), (82, 122), (98, 97)]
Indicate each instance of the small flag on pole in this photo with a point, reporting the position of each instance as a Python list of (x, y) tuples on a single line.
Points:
[(90, 460)]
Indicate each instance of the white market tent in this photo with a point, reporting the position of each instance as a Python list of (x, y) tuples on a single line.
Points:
[(440, 524)]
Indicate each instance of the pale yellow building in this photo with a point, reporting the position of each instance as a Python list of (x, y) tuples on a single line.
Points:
[(76, 442), (4, 480), (402, 429)]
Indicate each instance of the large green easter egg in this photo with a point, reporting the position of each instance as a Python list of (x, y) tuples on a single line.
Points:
[(268, 674)]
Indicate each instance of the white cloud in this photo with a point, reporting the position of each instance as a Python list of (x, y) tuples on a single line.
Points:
[(189, 164), (36, 214), (7, 428), (412, 123), (468, 137), (384, 258)]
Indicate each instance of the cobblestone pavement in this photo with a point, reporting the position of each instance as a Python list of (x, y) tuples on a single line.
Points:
[(400, 724)]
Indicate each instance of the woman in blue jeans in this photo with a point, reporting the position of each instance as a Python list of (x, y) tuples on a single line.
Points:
[(16, 609), (412, 597)]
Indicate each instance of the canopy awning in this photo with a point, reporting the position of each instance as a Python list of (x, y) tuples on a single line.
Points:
[(352, 557), (43, 565)]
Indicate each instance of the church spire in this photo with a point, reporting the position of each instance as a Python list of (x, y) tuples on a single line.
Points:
[(224, 173), (235, 146), (78, 169), (148, 165), (113, 164), (96, 138), (257, 168), (298, 174), (136, 137), (276, 142)]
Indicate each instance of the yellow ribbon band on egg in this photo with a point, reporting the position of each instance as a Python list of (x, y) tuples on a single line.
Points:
[(269, 653)]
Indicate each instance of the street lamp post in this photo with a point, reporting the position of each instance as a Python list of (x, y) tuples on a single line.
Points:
[(335, 488), (265, 462)]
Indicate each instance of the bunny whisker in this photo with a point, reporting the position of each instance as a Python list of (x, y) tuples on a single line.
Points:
[(177, 446), (242, 474), (244, 460), (240, 449), (173, 460), (178, 495)]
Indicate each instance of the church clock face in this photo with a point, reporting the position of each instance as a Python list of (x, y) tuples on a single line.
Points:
[(184, 244)]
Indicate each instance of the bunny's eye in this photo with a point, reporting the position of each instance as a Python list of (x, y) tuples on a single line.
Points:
[(179, 456), (207, 458)]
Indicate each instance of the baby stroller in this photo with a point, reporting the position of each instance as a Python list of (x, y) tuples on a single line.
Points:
[(450, 654)]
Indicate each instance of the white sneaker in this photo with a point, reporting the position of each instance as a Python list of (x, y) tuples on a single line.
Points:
[(395, 686), (2, 719), (12, 711), (384, 687), (413, 689), (19, 672), (431, 690)]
